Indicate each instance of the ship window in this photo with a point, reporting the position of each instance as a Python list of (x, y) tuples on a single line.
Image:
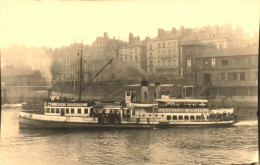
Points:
[(79, 110), (192, 118), (52, 110), (57, 110), (174, 117), (133, 112), (48, 110), (186, 117), (180, 117), (156, 115), (72, 110), (143, 114), (150, 115), (162, 115), (168, 117), (197, 117), (67, 110), (85, 111)]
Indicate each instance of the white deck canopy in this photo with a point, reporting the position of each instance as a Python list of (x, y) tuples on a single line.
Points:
[(182, 100)]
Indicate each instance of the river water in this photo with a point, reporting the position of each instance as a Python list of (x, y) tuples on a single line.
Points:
[(233, 145)]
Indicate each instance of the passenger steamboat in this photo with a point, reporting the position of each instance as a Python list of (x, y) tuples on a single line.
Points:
[(163, 112)]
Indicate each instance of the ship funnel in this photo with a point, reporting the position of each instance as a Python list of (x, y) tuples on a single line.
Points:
[(157, 91), (144, 91), (49, 93)]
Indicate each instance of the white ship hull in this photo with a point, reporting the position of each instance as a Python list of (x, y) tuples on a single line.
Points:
[(28, 120)]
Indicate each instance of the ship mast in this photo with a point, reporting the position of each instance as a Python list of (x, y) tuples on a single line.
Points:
[(80, 75)]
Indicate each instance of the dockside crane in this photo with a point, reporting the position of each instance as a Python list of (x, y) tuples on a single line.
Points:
[(109, 62)]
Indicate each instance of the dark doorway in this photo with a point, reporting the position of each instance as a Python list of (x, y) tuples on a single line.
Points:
[(207, 78)]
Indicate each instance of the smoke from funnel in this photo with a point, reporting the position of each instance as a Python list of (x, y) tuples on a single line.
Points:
[(133, 72)]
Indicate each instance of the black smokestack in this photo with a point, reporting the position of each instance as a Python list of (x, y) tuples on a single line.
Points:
[(49, 92), (157, 90), (144, 91)]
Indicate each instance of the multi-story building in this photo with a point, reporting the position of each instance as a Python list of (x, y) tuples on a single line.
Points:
[(230, 72), (67, 58), (102, 50), (222, 37), (211, 71), (133, 55), (163, 54)]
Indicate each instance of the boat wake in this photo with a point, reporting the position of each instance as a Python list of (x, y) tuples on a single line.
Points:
[(247, 123)]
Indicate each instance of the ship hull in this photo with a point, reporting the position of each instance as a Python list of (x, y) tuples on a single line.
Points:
[(30, 121)]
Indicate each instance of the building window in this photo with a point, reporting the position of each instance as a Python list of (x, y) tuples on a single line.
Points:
[(159, 45), (242, 76), (151, 46), (163, 45), (224, 62), (72, 110), (232, 76), (57, 110), (174, 117), (213, 62), (186, 117), (168, 117), (174, 42), (169, 51), (188, 63), (180, 117), (52, 110), (220, 46), (67, 110), (169, 44), (223, 76), (79, 110)]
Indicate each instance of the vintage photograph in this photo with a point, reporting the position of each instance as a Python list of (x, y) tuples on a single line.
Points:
[(129, 82)]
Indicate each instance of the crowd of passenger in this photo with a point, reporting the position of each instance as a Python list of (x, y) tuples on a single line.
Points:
[(222, 116), (183, 105)]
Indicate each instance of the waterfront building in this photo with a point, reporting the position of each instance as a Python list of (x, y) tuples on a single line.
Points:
[(230, 72), (221, 36), (163, 55), (210, 71), (133, 55)]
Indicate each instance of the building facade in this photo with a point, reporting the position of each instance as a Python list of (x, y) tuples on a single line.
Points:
[(222, 37), (163, 55), (230, 72)]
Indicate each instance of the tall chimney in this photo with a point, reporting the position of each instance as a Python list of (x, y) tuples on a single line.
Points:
[(157, 91), (49, 92), (144, 91)]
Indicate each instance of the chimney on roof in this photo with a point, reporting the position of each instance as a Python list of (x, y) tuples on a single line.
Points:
[(138, 38), (160, 32), (131, 36), (105, 34), (173, 30)]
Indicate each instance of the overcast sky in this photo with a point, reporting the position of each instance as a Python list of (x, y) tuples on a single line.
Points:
[(58, 23)]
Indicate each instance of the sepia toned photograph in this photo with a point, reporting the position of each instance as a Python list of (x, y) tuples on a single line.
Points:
[(129, 82)]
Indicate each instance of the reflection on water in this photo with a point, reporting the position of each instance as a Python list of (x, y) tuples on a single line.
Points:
[(236, 144)]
